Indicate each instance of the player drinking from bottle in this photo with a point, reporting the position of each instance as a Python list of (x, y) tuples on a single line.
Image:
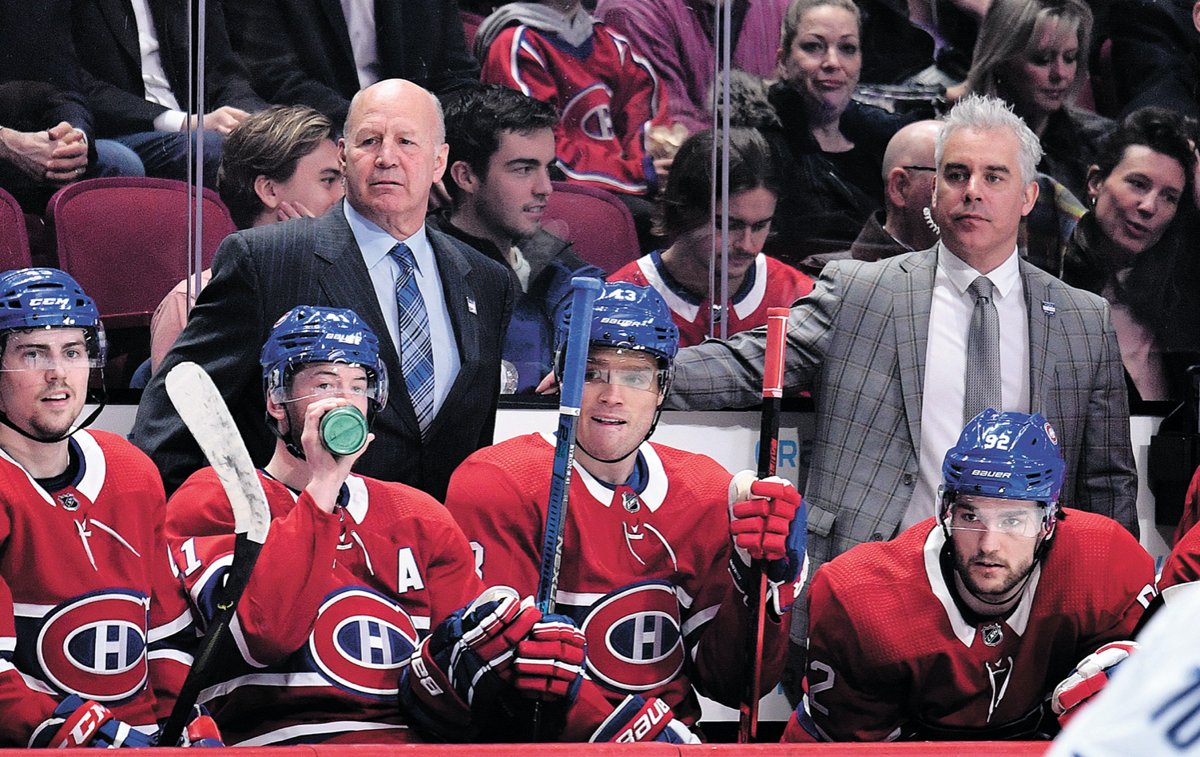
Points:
[(88, 605), (967, 626), (650, 571), (333, 633)]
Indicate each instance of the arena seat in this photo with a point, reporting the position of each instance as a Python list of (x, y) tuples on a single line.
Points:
[(125, 241), (14, 241), (470, 22), (599, 224)]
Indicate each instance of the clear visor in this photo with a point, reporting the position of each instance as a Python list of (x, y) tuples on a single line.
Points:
[(1009, 521), (645, 378), (46, 350), (330, 380)]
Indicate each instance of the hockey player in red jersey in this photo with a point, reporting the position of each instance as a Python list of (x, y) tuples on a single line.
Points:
[(963, 627), (333, 633), (649, 571), (89, 607)]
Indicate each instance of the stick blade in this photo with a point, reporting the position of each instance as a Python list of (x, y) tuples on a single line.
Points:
[(203, 411)]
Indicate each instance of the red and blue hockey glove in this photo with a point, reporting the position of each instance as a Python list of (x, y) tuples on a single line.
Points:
[(636, 719), (767, 520), (1088, 678), (76, 723), (549, 662)]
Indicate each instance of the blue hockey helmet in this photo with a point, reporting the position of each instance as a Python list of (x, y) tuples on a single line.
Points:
[(311, 334), (34, 298), (1005, 456), (628, 317)]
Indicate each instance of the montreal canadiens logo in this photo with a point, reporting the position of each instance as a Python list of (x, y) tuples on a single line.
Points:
[(95, 645), (361, 640), (633, 637), (1050, 433)]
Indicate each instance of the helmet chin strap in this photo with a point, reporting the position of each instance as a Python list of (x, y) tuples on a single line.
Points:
[(615, 459), (103, 401)]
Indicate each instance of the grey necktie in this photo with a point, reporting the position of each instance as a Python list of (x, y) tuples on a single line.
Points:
[(983, 353)]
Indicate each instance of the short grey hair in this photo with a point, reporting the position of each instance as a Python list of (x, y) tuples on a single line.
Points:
[(986, 113)]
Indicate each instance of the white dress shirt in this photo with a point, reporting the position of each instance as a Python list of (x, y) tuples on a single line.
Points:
[(944, 391), (360, 23), (154, 76), (375, 244)]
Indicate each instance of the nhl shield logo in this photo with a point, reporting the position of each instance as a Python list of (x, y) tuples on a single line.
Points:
[(69, 502), (630, 502), (992, 634)]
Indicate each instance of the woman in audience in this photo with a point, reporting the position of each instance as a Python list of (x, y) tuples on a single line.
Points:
[(831, 146), (682, 273), (1033, 53), (1133, 247)]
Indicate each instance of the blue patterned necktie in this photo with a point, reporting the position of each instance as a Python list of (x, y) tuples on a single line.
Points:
[(416, 351)]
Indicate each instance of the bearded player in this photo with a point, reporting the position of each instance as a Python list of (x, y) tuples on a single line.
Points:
[(650, 572), (88, 604), (967, 627)]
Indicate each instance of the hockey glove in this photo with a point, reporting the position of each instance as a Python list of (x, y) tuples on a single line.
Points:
[(549, 662), (637, 719), (767, 520), (76, 723), (1088, 678)]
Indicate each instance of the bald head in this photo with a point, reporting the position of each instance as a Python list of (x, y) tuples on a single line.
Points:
[(909, 169), (401, 90), (911, 146)]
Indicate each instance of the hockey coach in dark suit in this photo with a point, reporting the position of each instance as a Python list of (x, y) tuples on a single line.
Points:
[(357, 256)]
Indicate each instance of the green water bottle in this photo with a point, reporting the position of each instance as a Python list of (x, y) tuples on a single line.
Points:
[(343, 430)]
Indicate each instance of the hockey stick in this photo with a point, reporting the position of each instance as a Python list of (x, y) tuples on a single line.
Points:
[(768, 449), (199, 404), (570, 398)]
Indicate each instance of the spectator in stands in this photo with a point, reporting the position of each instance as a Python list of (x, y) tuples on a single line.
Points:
[(279, 163), (677, 37), (968, 626), (135, 57), (1156, 55), (682, 274), (501, 149), (904, 224), (1033, 53), (318, 53), (47, 139), (446, 303), (1136, 248), (832, 146), (610, 102)]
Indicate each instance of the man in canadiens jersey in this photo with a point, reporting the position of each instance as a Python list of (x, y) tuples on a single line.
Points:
[(92, 621), (969, 625), (650, 572)]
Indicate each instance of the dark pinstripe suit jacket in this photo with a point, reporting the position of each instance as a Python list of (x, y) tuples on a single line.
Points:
[(259, 274), (858, 344)]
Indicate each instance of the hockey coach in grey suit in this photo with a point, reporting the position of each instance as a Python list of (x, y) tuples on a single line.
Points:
[(882, 348), (393, 150)]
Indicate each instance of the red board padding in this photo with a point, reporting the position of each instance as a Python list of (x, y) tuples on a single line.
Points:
[(922, 749)]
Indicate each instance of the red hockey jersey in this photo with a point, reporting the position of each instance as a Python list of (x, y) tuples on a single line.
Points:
[(88, 602), (336, 604), (607, 96), (769, 283), (1182, 566), (645, 576), (891, 655)]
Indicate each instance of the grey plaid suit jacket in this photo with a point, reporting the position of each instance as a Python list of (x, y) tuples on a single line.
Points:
[(261, 273), (858, 341)]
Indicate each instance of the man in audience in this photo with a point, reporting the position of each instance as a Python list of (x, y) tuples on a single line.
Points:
[(135, 57), (501, 149), (279, 163), (440, 303), (682, 274), (904, 224), (311, 52), (657, 542), (1156, 55), (47, 139), (90, 605), (964, 626)]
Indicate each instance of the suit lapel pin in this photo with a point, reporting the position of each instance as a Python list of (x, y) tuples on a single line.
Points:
[(1049, 309), (471, 306)]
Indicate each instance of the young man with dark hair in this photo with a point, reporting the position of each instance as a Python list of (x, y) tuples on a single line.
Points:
[(501, 151)]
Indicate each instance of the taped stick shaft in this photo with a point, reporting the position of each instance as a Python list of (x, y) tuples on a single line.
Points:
[(768, 456)]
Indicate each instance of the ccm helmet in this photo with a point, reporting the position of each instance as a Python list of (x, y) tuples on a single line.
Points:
[(311, 334), (1005, 456), (34, 298)]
